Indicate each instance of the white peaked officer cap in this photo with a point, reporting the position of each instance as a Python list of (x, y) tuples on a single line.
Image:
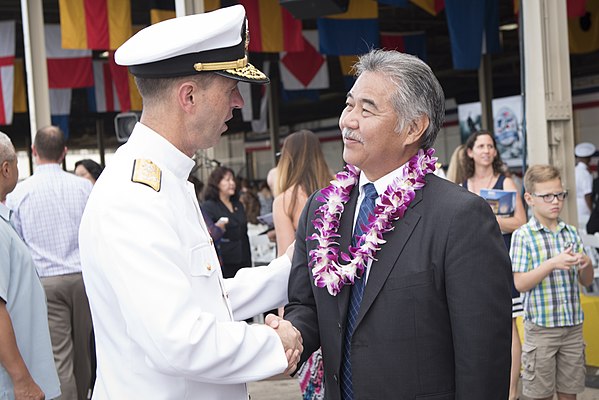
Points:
[(215, 42), (584, 149)]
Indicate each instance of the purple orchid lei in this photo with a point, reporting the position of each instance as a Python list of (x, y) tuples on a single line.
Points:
[(390, 206)]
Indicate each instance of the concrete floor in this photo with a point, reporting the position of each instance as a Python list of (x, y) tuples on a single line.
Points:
[(283, 388)]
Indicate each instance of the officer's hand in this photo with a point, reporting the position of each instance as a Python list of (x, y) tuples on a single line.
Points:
[(291, 339)]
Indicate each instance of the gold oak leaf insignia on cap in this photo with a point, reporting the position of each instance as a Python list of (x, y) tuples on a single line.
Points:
[(146, 172)]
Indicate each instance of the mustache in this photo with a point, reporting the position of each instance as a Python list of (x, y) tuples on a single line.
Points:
[(350, 134)]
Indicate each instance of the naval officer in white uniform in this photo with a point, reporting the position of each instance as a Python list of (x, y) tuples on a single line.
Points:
[(166, 322)]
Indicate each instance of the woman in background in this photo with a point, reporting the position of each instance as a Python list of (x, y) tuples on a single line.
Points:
[(455, 169), (483, 166), (301, 171), (221, 203), (88, 169)]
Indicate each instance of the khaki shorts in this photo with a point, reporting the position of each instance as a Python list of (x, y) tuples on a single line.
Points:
[(552, 360)]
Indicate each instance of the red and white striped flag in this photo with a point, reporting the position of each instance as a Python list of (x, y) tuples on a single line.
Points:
[(7, 70), (66, 68), (104, 89)]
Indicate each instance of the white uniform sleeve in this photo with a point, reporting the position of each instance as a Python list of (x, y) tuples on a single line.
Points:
[(256, 290)]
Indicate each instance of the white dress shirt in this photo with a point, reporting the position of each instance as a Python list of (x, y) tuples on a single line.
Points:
[(584, 186), (380, 185)]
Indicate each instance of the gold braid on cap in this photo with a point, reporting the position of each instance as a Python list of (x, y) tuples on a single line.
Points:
[(249, 72), (220, 66)]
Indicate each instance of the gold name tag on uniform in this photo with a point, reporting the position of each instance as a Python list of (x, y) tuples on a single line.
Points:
[(147, 173)]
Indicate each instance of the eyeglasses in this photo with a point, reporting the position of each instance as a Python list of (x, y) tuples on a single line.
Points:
[(548, 198)]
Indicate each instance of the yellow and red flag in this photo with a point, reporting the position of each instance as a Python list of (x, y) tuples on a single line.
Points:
[(432, 7), (95, 24), (272, 28)]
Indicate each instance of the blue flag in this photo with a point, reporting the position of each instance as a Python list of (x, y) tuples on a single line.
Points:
[(470, 21)]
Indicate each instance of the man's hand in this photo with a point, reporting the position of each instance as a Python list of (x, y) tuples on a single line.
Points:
[(291, 339), (28, 390)]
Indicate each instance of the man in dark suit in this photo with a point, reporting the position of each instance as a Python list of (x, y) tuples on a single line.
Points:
[(430, 317)]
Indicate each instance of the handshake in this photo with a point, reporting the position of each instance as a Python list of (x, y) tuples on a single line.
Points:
[(291, 339)]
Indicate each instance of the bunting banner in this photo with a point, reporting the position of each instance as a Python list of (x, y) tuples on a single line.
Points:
[(255, 103), (353, 32), (7, 70), (433, 7), (469, 21), (161, 10), (413, 43), (576, 8), (95, 24), (20, 93), (347, 64), (104, 98), (211, 5), (273, 28), (306, 69), (60, 108), (66, 68), (583, 32)]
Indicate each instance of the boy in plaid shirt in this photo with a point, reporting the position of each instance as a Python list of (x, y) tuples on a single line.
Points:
[(548, 263)]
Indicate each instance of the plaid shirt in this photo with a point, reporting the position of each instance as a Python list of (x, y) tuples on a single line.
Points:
[(555, 301), (47, 209)]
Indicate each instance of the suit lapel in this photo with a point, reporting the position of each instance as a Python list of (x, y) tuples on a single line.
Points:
[(346, 231), (388, 255)]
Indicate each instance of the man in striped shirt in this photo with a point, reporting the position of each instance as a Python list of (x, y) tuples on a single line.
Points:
[(47, 210), (548, 263)]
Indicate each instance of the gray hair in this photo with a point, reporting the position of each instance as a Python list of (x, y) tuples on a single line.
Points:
[(7, 150), (416, 90)]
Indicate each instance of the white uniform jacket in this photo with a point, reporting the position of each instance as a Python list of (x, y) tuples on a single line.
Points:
[(163, 315)]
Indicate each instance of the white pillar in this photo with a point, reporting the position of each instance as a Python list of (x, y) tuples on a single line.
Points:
[(549, 130), (35, 55)]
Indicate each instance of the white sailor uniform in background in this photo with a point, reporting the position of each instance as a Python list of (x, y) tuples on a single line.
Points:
[(158, 300)]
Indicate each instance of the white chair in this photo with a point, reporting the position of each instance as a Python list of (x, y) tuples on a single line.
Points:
[(262, 249)]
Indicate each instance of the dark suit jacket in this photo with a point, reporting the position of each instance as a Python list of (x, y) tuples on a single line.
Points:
[(435, 320)]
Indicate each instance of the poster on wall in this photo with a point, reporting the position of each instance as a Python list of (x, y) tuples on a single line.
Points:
[(507, 126), (470, 119)]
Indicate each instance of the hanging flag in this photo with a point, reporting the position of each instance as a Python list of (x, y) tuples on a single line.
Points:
[(66, 68), (306, 69), (411, 43), (396, 3), (105, 98), (60, 108), (95, 24), (272, 28), (7, 70), (161, 10), (583, 32), (355, 31), (469, 22), (433, 7), (347, 64), (211, 5), (20, 96), (255, 103), (576, 8)]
